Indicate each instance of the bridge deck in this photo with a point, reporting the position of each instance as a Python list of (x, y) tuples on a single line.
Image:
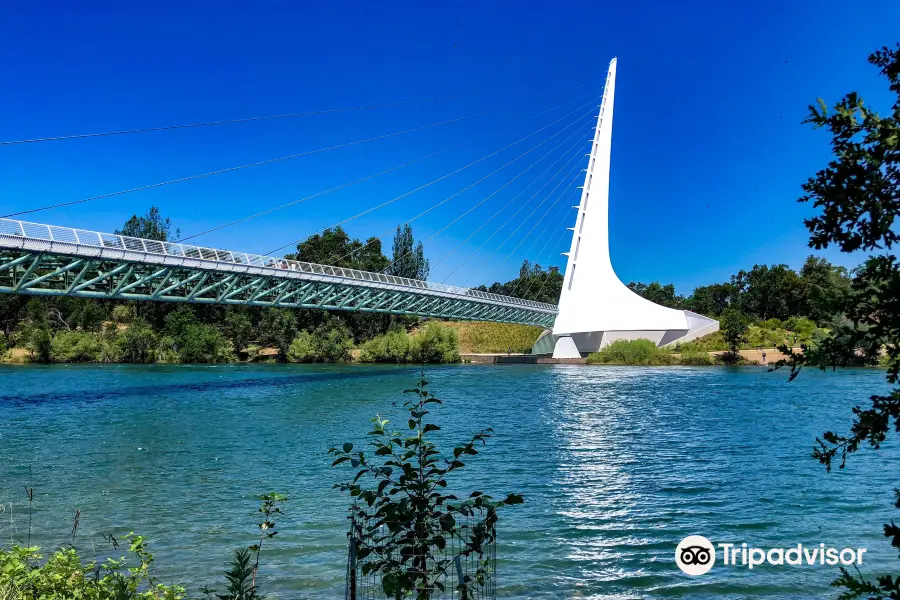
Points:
[(42, 259)]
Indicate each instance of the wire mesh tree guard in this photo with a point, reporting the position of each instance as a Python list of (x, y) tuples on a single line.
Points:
[(453, 558)]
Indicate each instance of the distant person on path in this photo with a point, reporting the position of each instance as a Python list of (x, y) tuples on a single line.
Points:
[(764, 356)]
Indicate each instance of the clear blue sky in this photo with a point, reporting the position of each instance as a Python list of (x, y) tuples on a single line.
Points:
[(708, 149)]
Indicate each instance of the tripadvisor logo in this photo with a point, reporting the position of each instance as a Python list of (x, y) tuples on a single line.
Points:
[(696, 555)]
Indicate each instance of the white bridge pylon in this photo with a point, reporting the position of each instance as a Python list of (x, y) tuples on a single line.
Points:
[(595, 307)]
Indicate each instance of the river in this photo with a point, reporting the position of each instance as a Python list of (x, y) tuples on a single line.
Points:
[(616, 464)]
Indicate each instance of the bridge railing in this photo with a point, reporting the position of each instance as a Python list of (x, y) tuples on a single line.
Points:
[(83, 237)]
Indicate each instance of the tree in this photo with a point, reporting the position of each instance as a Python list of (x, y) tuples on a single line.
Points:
[(734, 329), (150, 227), (857, 197), (138, 343), (239, 328), (335, 247), (331, 341), (658, 293), (711, 300), (825, 288), (278, 327), (533, 283), (408, 257), (768, 292)]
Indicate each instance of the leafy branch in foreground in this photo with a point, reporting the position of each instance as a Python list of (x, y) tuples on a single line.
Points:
[(859, 197), (404, 524)]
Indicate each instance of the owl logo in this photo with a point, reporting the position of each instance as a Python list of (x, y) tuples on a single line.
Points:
[(695, 555)]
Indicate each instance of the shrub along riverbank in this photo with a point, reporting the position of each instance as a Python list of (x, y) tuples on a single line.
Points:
[(183, 338), (436, 343), (645, 352)]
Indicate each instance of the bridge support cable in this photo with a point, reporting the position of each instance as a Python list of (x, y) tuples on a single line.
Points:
[(547, 239), (504, 207), (441, 178), (533, 227), (308, 113), (572, 161), (546, 229), (465, 189), (240, 167), (557, 239), (549, 228), (510, 220), (489, 196), (351, 183)]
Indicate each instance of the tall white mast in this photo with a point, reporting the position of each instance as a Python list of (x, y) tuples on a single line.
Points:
[(595, 307)]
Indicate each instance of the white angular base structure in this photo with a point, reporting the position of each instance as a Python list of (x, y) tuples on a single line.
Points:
[(595, 307)]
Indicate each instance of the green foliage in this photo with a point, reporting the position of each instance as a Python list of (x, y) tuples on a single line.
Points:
[(858, 199), (711, 300), (402, 481), (485, 337), (335, 247), (137, 344), (63, 576), (333, 341), (202, 343), (123, 314), (150, 226), (695, 358), (436, 344), (764, 293), (408, 258), (660, 294), (239, 329), (166, 350), (76, 347), (826, 287), (631, 352), (708, 343), (329, 342), (39, 341), (278, 328), (800, 328), (195, 342), (733, 326), (239, 578), (270, 506), (24, 575), (533, 283), (392, 347), (302, 349)]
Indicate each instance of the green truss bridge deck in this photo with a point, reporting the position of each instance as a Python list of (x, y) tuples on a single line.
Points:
[(48, 260)]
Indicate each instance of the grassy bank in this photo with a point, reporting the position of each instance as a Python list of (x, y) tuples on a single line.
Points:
[(477, 337)]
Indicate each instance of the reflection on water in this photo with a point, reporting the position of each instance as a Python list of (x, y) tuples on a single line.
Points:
[(616, 465)]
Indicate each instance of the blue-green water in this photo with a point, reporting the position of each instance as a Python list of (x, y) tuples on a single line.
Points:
[(616, 464)]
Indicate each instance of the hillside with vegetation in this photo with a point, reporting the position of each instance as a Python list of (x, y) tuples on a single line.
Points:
[(478, 337)]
